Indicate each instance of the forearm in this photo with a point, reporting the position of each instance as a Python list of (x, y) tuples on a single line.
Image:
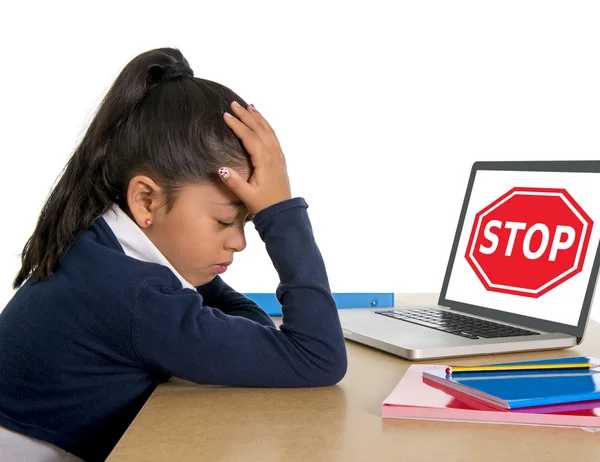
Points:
[(309, 310), (217, 294)]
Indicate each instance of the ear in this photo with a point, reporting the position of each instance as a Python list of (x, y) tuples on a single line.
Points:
[(144, 198)]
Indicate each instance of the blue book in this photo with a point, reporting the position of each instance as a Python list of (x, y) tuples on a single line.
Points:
[(519, 389)]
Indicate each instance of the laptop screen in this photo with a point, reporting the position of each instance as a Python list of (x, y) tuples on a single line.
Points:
[(527, 242)]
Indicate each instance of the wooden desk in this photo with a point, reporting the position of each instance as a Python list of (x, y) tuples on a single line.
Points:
[(186, 422)]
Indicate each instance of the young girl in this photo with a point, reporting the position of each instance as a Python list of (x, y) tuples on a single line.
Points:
[(119, 288)]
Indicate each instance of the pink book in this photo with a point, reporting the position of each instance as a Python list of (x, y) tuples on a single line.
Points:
[(414, 399)]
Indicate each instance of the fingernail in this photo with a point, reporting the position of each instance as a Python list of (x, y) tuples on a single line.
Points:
[(227, 114), (253, 108), (223, 173), (236, 103)]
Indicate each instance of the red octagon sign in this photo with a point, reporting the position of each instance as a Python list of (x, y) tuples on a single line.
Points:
[(529, 241)]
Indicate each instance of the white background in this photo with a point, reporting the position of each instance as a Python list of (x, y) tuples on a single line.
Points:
[(561, 304), (381, 108)]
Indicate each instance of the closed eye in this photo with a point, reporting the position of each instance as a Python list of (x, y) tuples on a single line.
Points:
[(229, 225)]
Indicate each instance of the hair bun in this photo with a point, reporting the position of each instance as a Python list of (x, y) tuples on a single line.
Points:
[(159, 73)]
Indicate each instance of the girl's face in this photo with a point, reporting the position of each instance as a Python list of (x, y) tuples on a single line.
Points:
[(200, 233)]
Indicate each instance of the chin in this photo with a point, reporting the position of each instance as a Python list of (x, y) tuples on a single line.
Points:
[(200, 282)]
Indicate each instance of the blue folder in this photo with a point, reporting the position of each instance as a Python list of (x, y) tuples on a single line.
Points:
[(519, 389), (269, 303)]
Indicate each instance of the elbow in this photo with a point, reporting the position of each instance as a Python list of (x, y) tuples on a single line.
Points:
[(339, 363), (335, 370), (339, 368)]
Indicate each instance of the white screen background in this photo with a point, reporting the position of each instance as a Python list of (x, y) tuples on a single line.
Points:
[(561, 304)]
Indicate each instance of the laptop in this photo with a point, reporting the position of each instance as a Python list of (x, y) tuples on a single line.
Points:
[(521, 273)]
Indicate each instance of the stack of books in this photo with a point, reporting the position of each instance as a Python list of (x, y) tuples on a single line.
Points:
[(556, 392)]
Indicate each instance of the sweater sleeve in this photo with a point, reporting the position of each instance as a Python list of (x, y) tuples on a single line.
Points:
[(218, 294), (175, 332)]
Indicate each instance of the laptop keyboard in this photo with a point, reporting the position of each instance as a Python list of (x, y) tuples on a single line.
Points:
[(454, 323)]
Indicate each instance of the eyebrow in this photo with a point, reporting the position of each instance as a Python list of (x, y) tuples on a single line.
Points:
[(230, 204), (235, 204)]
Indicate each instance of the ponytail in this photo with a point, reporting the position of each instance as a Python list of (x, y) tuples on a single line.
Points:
[(142, 125)]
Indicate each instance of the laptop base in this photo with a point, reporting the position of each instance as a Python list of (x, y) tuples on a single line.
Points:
[(415, 343)]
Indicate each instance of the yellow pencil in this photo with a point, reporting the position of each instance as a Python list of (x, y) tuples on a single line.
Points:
[(520, 367)]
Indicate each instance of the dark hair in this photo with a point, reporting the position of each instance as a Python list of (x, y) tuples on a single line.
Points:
[(156, 119)]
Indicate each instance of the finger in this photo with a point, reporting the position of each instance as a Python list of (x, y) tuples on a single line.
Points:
[(253, 144), (252, 109), (254, 120), (269, 138), (249, 119), (240, 187), (248, 137)]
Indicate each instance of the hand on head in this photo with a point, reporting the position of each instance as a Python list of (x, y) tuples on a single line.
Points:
[(269, 183)]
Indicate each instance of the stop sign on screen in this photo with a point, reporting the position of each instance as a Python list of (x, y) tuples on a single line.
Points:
[(529, 241)]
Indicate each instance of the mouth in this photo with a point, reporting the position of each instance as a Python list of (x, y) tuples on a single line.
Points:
[(220, 268)]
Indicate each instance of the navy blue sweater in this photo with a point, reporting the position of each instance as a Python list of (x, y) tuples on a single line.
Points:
[(81, 352)]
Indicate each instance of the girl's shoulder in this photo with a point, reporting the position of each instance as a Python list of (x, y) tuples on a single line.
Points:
[(97, 258)]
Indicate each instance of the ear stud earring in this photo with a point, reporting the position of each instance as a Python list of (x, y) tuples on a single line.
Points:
[(148, 222)]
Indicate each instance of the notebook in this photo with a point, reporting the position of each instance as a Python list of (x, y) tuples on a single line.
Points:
[(414, 399), (519, 389)]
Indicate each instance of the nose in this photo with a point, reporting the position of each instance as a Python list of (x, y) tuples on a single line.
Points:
[(236, 241)]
